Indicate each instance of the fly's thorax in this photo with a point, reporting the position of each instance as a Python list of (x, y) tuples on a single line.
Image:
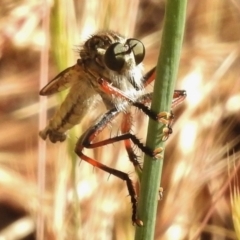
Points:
[(95, 47), (129, 82)]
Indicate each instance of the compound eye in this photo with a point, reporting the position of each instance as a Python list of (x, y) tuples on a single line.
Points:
[(114, 57), (137, 48)]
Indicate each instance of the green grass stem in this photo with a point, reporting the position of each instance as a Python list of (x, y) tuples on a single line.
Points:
[(167, 68)]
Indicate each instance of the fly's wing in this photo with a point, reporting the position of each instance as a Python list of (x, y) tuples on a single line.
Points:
[(178, 97), (63, 80)]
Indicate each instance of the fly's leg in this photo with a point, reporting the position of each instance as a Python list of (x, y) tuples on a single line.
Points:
[(162, 117), (125, 136), (117, 173), (86, 141), (149, 76), (109, 89), (160, 193), (178, 97), (126, 128)]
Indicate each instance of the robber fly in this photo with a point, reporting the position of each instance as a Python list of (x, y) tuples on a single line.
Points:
[(110, 66)]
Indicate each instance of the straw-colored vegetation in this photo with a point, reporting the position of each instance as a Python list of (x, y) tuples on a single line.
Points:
[(42, 193)]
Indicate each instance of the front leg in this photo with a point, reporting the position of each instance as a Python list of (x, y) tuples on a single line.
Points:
[(165, 118), (162, 117), (109, 89)]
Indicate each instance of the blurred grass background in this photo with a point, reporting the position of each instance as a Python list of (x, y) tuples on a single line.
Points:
[(42, 195)]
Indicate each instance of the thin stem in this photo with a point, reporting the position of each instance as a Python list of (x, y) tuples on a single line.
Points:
[(167, 68)]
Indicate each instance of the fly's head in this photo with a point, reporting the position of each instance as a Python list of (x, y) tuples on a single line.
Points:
[(116, 59)]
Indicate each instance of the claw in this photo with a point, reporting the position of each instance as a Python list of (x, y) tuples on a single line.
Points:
[(167, 119), (166, 132), (138, 222), (163, 117), (160, 193), (156, 153)]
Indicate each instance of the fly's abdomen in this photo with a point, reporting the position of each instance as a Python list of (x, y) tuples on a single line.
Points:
[(76, 105)]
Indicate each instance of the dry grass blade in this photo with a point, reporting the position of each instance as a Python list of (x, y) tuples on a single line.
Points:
[(235, 201)]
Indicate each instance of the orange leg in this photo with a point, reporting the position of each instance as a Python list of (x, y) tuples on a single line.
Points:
[(126, 128), (149, 77), (85, 141)]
